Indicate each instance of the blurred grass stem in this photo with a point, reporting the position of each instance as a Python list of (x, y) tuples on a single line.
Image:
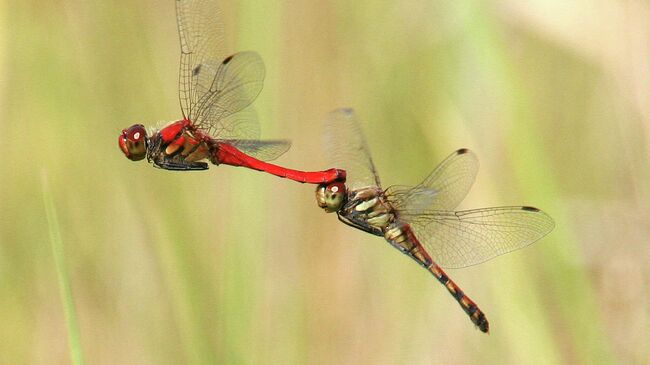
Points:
[(62, 275)]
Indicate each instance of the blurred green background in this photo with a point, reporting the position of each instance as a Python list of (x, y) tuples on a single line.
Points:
[(235, 266)]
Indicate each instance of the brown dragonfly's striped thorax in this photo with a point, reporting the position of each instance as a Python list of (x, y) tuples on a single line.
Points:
[(368, 209)]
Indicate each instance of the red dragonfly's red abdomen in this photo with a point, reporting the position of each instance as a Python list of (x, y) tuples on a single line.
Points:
[(230, 155)]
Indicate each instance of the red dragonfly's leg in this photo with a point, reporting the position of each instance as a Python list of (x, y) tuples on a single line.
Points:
[(230, 155), (412, 247)]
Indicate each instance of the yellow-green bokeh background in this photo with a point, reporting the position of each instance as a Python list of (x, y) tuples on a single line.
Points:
[(234, 266)]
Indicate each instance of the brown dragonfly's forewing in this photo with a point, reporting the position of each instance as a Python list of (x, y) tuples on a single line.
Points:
[(347, 149), (443, 189), (465, 238)]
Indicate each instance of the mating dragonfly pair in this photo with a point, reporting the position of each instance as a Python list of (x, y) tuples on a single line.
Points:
[(218, 125)]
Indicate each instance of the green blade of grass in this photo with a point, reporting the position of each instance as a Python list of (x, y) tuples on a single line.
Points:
[(62, 275)]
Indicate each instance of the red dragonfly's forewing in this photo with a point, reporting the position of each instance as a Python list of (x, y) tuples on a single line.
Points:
[(202, 43), (215, 89), (236, 84)]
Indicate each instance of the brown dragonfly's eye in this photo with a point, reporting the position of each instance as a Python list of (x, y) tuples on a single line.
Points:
[(331, 197), (133, 142)]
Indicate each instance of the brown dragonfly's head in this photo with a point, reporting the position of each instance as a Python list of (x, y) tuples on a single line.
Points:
[(331, 197), (133, 142)]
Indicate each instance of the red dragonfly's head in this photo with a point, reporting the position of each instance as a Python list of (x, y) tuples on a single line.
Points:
[(133, 142), (331, 197)]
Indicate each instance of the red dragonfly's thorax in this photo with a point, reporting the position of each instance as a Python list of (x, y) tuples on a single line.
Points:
[(172, 131), (178, 146)]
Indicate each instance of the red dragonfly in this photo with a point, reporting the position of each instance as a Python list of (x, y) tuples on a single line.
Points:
[(215, 92), (420, 221)]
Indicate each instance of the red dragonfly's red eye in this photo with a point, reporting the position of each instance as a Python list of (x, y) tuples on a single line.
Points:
[(133, 142), (136, 133)]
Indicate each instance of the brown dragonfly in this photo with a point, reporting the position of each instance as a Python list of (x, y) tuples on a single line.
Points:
[(420, 221)]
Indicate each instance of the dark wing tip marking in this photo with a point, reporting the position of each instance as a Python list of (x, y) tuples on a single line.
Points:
[(462, 151), (227, 59), (530, 209), (196, 70), (346, 112)]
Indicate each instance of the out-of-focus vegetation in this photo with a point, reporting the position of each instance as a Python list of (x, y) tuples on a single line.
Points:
[(234, 266)]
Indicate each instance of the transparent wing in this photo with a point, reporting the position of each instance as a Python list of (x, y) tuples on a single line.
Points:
[(348, 150), (465, 238), (202, 47), (238, 81), (262, 150), (241, 125), (411, 199), (443, 189), (213, 87)]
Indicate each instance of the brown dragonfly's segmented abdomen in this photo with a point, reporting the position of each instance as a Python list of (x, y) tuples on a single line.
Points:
[(473, 311), (402, 237)]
